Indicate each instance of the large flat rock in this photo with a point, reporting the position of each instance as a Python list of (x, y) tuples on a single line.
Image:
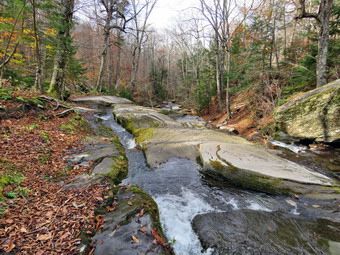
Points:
[(136, 117), (223, 156), (256, 159), (256, 232), (221, 153), (105, 100)]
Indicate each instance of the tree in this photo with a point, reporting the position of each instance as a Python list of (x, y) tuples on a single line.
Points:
[(139, 33), (64, 23), (323, 19), (12, 21), (37, 48), (114, 18), (222, 15)]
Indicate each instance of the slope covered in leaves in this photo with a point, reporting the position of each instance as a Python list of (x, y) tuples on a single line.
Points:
[(39, 216)]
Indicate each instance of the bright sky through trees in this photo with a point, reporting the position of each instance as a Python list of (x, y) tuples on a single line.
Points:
[(167, 12)]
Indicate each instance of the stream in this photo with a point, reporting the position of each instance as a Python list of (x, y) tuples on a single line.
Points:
[(182, 193)]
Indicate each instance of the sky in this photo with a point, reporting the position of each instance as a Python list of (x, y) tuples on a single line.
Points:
[(166, 12)]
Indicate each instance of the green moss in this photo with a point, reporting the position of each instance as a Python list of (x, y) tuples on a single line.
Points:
[(86, 235), (105, 131), (143, 200), (143, 134), (115, 140), (75, 124), (165, 112), (311, 103), (119, 169), (247, 180), (126, 122), (44, 157), (217, 165), (9, 179)]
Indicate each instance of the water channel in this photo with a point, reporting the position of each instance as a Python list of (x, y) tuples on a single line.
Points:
[(182, 193)]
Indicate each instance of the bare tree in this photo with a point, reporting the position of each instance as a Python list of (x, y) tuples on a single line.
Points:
[(322, 18), (222, 15), (114, 18), (141, 12)]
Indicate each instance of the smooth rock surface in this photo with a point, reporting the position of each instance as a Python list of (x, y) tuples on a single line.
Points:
[(258, 160), (312, 115), (115, 238), (105, 100), (95, 154), (104, 166), (136, 117), (163, 138), (255, 232)]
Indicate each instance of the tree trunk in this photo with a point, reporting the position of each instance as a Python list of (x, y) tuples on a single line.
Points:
[(58, 77), (103, 60), (324, 17), (228, 87), (38, 73)]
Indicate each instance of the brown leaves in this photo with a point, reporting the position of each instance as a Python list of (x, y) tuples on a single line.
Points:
[(158, 238), (50, 219), (135, 239), (44, 237), (9, 247)]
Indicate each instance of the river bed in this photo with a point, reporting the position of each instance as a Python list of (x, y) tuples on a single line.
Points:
[(182, 193)]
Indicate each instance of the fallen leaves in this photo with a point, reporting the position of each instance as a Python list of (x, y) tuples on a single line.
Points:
[(158, 238), (44, 237), (135, 239), (9, 247), (50, 219), (291, 202)]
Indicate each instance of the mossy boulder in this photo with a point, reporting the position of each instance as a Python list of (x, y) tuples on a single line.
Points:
[(312, 115), (129, 228), (134, 117)]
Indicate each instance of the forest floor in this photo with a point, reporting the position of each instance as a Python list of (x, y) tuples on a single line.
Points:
[(39, 216), (245, 119)]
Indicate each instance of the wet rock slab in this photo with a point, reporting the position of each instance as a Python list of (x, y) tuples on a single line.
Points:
[(102, 100), (124, 232), (256, 232)]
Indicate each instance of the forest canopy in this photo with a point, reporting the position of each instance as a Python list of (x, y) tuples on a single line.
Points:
[(274, 48)]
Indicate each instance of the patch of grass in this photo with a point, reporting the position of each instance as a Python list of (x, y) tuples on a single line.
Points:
[(32, 127), (45, 136), (9, 179), (44, 157), (22, 191)]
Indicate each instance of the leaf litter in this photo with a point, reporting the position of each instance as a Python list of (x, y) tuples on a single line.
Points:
[(49, 219)]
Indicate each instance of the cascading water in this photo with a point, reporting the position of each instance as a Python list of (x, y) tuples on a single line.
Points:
[(180, 192)]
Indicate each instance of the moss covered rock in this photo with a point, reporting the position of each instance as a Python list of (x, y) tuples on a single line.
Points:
[(312, 115)]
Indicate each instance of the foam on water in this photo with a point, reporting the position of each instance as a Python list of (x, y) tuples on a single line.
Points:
[(176, 213), (257, 207), (294, 148), (131, 143)]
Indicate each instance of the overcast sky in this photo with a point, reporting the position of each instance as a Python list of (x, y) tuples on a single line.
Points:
[(166, 12)]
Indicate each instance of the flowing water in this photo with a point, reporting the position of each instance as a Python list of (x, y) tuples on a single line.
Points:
[(181, 193)]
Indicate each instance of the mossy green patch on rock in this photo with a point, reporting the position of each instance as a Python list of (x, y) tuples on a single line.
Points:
[(244, 179), (119, 169), (143, 200), (312, 115), (75, 124), (143, 134)]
